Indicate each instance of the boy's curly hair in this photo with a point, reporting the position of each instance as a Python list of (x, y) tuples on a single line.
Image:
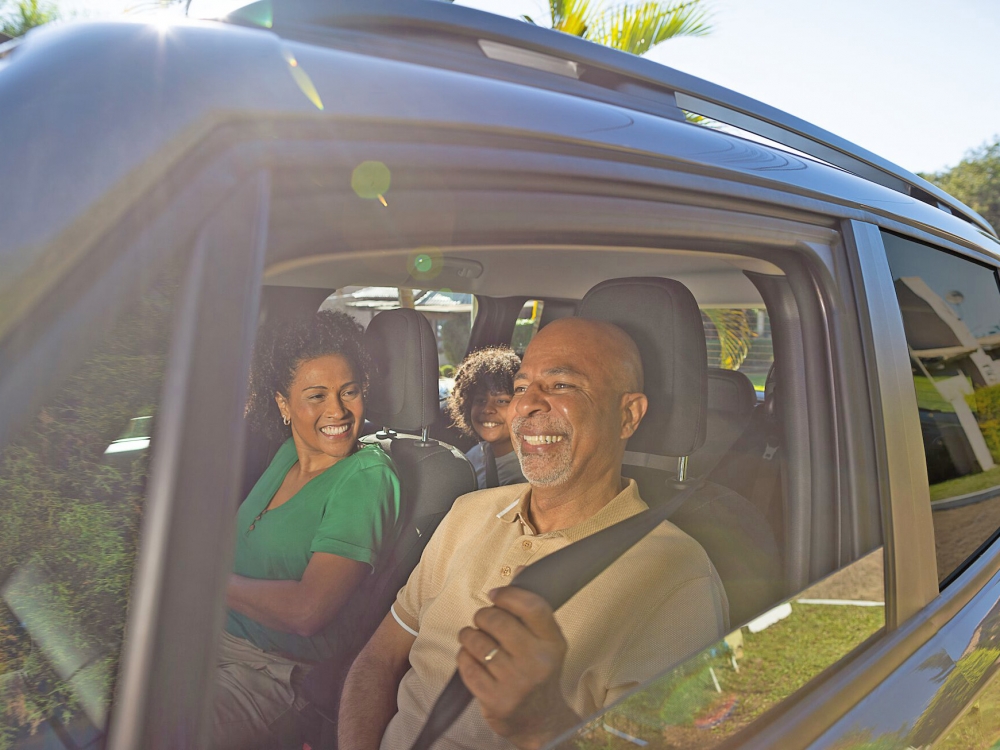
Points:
[(491, 370), (280, 349)]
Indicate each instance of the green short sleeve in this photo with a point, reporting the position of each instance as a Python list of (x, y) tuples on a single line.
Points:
[(361, 513)]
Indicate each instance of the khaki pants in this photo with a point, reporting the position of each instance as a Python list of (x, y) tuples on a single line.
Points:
[(257, 697)]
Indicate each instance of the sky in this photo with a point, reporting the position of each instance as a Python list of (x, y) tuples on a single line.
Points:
[(915, 81)]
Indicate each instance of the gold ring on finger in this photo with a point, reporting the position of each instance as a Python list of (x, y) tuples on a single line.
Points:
[(492, 654)]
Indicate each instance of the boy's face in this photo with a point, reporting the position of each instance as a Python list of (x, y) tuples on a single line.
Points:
[(489, 416)]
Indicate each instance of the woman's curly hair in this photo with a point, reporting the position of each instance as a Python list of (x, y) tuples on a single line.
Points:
[(489, 370), (282, 346)]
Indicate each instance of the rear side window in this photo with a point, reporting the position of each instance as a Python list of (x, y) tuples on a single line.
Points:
[(739, 339), (951, 314), (450, 314), (72, 491), (526, 325)]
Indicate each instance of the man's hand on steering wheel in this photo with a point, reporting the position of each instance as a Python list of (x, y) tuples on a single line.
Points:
[(511, 661)]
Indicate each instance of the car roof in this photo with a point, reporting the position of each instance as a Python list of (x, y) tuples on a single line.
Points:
[(140, 96)]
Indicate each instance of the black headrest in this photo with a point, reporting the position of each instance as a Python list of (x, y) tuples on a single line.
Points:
[(404, 394), (731, 392), (661, 315)]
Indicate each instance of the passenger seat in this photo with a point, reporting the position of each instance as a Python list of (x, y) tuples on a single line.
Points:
[(403, 402)]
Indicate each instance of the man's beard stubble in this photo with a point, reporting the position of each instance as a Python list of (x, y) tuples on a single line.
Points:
[(543, 471)]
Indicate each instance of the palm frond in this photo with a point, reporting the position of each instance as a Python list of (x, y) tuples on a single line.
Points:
[(576, 17), (735, 336), (638, 27)]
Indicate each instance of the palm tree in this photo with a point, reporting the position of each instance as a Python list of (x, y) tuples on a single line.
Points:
[(634, 27)]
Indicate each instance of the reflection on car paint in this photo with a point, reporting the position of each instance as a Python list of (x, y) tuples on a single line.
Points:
[(919, 700)]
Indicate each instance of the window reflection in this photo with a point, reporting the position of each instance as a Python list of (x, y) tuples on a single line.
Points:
[(951, 316), (72, 489), (724, 688)]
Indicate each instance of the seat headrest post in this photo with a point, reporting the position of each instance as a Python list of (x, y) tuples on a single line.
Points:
[(662, 317), (682, 468)]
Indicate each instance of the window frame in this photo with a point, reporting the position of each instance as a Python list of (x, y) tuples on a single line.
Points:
[(175, 618)]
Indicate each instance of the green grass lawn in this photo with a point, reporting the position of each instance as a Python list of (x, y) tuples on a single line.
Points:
[(964, 485), (928, 396), (776, 662), (758, 379), (979, 728)]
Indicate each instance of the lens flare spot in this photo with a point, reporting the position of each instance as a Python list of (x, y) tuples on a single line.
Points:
[(425, 263), (303, 80), (370, 180)]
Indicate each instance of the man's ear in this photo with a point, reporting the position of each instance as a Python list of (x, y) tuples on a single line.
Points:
[(634, 407)]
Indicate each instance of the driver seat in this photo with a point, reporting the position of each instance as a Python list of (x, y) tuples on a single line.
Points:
[(662, 317)]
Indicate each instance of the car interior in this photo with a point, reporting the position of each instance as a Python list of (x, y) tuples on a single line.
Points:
[(708, 426)]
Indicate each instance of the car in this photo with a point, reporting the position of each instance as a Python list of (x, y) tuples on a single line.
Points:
[(180, 183)]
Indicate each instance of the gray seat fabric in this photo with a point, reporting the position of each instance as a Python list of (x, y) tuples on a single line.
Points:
[(662, 317), (731, 401), (403, 398)]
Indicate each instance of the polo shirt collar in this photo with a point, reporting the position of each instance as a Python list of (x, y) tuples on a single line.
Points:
[(625, 504)]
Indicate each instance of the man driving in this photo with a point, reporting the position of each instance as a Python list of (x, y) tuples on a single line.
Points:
[(534, 673)]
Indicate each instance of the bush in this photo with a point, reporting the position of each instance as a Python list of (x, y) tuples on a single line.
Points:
[(985, 403)]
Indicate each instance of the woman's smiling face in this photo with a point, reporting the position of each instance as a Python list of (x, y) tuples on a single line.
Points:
[(326, 408), (489, 416)]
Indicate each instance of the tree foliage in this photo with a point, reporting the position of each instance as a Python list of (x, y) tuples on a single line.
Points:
[(634, 27), (18, 17), (975, 181)]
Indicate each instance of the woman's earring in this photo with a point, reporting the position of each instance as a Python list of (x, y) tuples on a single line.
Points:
[(286, 420)]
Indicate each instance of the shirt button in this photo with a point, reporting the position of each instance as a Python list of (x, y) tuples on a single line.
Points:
[(505, 571), (251, 527), (526, 544)]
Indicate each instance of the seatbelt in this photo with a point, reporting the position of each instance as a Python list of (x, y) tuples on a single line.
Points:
[(768, 474), (492, 476), (556, 578)]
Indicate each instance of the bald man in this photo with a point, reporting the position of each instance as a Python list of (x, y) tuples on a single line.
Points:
[(534, 673)]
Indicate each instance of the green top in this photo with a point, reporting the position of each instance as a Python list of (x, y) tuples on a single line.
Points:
[(349, 510)]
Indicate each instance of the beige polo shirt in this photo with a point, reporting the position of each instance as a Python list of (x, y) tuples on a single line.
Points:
[(659, 603)]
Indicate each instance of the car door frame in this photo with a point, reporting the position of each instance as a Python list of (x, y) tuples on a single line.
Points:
[(175, 617)]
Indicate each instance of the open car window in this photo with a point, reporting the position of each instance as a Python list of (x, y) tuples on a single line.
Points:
[(799, 597)]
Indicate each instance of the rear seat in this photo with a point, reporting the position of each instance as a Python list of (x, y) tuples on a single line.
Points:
[(731, 401)]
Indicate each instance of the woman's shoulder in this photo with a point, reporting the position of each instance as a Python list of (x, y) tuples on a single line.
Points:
[(371, 456)]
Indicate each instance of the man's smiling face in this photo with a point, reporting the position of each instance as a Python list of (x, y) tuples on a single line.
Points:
[(568, 423)]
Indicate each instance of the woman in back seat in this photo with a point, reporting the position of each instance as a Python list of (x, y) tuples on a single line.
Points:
[(310, 530)]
